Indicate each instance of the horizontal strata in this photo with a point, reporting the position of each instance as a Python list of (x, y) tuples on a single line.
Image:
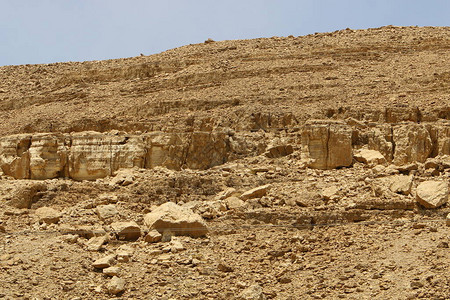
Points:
[(322, 144)]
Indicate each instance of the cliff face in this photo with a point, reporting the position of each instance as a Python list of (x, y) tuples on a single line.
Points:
[(321, 144)]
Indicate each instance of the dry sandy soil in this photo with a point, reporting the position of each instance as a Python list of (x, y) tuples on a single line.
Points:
[(315, 234)]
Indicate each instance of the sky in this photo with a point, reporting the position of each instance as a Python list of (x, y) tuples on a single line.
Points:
[(47, 31)]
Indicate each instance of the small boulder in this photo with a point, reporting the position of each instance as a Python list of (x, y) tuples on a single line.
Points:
[(226, 193), (104, 262), (111, 271), (25, 195), (115, 286), (153, 236), (48, 215), (106, 211), (180, 220), (234, 202), (279, 151), (124, 177), (432, 194), (253, 292), (96, 243), (447, 220), (330, 193), (128, 231), (257, 192), (369, 157), (401, 184), (124, 253)]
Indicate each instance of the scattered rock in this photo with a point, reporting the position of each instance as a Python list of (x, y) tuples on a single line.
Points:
[(432, 194), (111, 271), (153, 236), (330, 193), (405, 169), (106, 211), (224, 267), (279, 151), (124, 177), (442, 245), (234, 202), (369, 157), (401, 184), (96, 243), (176, 246), (180, 220), (104, 262), (115, 286), (25, 195), (48, 215), (127, 231), (257, 192), (253, 292), (124, 253), (226, 193)]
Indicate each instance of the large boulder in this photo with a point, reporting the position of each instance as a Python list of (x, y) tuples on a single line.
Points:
[(27, 194), (126, 230), (432, 194), (412, 144), (48, 215), (179, 220), (327, 144)]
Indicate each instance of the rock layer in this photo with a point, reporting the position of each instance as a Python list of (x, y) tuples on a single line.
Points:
[(324, 144)]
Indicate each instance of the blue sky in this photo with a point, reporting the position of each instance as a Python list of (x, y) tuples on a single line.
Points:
[(45, 31)]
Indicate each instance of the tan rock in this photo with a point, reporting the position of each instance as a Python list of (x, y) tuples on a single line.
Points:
[(401, 184), (25, 195), (48, 156), (116, 285), (412, 144), (48, 215), (226, 193), (96, 243), (126, 230), (153, 236), (257, 192), (14, 155), (234, 202), (104, 262), (180, 220), (447, 220), (124, 253), (124, 177), (380, 139), (327, 144), (370, 157), (279, 151), (253, 292), (432, 194), (111, 271), (106, 211), (330, 193), (95, 155)]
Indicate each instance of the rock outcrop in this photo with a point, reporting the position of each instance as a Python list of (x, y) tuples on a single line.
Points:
[(327, 144), (179, 220), (324, 144)]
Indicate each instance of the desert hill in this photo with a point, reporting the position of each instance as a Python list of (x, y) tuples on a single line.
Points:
[(312, 167)]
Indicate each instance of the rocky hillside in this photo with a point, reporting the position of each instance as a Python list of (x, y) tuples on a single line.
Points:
[(312, 167)]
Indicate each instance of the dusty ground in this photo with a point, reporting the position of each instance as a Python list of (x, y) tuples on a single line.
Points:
[(294, 242)]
